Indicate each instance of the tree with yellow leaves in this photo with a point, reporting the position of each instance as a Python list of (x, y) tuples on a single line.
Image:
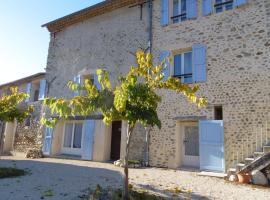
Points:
[(134, 99)]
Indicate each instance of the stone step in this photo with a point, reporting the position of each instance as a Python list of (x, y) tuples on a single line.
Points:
[(258, 154), (266, 149), (249, 160), (232, 170), (239, 166)]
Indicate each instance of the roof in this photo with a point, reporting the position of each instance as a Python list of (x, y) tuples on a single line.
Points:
[(24, 80), (92, 11)]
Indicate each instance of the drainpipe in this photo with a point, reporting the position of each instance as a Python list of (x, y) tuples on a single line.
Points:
[(147, 129), (150, 25)]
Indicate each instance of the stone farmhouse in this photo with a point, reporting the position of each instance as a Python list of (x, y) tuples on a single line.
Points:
[(221, 45), (18, 138)]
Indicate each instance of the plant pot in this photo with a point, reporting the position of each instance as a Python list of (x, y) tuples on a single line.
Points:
[(244, 178)]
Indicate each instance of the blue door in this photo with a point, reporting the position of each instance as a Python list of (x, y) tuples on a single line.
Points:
[(88, 140), (47, 141), (212, 145)]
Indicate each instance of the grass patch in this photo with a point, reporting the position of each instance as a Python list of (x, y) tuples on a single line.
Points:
[(7, 172)]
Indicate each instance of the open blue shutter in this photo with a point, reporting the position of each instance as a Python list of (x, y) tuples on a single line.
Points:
[(77, 79), (28, 91), (42, 89), (207, 7), (164, 19), (96, 82), (88, 140), (47, 141), (237, 3), (166, 69), (191, 9), (199, 62)]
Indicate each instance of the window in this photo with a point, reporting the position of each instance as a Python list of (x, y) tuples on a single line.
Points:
[(27, 121), (73, 135), (179, 11), (36, 95), (183, 67), (222, 5), (218, 112)]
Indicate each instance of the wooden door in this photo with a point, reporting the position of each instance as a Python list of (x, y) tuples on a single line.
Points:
[(116, 140)]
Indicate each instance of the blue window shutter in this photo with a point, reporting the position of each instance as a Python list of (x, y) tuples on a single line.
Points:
[(207, 7), (88, 140), (199, 62), (28, 91), (177, 64), (164, 19), (237, 3), (42, 89), (77, 79), (96, 82), (166, 70), (191, 9)]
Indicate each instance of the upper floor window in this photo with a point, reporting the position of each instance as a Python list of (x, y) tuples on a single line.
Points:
[(222, 5), (183, 67), (179, 11)]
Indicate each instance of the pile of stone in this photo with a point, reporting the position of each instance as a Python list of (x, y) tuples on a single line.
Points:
[(34, 153)]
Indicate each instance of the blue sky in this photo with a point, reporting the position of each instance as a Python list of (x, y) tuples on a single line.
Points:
[(23, 43)]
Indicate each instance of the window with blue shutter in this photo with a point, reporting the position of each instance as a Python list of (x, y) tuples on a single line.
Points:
[(164, 19), (191, 9), (183, 67), (42, 89), (207, 7), (77, 79), (223, 5), (164, 57), (238, 3), (28, 91), (199, 63)]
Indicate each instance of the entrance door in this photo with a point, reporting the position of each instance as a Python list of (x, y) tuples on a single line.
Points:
[(212, 145), (47, 141), (116, 140), (191, 146)]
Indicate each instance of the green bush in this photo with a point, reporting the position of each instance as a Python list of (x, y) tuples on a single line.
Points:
[(11, 172)]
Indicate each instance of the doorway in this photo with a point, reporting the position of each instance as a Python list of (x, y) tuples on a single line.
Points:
[(116, 140), (190, 147)]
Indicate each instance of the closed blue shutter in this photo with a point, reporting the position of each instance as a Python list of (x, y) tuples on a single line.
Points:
[(77, 79), (199, 62), (191, 9), (237, 3), (42, 89), (28, 91), (207, 7), (164, 19), (166, 69), (88, 140)]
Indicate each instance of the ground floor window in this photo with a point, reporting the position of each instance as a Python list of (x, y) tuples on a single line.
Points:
[(73, 135)]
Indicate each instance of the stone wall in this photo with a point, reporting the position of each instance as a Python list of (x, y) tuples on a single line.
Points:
[(237, 76), (29, 137), (107, 41)]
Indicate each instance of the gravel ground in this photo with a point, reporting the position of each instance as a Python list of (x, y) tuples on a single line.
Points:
[(69, 179)]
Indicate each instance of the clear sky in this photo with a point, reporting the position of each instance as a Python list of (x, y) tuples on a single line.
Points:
[(23, 43)]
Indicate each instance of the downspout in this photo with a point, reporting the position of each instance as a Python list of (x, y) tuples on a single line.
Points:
[(147, 129)]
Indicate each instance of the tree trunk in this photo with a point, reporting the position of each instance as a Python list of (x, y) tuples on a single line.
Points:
[(125, 177)]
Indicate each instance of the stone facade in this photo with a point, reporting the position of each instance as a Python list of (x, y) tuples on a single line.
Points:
[(237, 77), (30, 136), (107, 41), (20, 137)]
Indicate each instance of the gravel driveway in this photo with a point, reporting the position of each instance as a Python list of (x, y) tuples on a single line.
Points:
[(69, 179)]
